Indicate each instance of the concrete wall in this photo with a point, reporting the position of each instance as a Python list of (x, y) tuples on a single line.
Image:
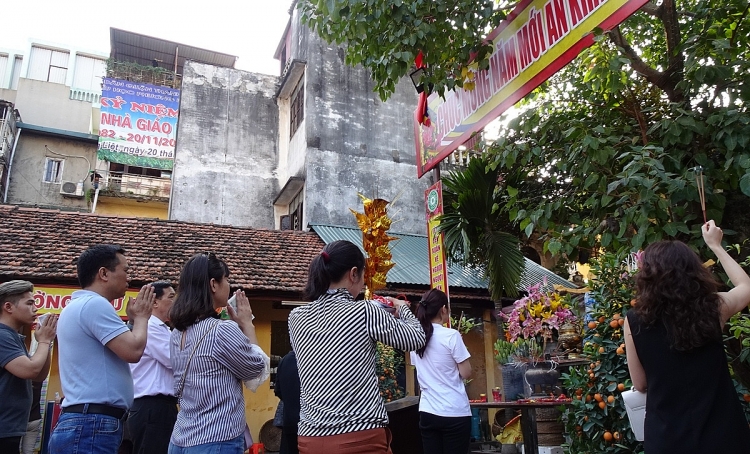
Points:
[(27, 173), (355, 142), (226, 148), (47, 104), (8, 95)]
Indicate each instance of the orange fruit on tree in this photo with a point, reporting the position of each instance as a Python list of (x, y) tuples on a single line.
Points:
[(598, 397), (592, 324), (617, 316), (622, 345), (601, 349), (621, 387), (746, 397), (621, 322), (608, 436), (617, 435), (614, 324), (620, 350), (588, 397), (611, 399), (602, 319), (602, 405)]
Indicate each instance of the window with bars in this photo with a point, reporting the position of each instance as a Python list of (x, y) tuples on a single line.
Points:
[(53, 170), (295, 212), (297, 107)]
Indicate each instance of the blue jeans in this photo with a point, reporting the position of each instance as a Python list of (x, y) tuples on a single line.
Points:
[(86, 434), (233, 446)]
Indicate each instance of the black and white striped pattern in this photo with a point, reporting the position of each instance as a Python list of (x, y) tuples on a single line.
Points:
[(334, 339), (212, 407)]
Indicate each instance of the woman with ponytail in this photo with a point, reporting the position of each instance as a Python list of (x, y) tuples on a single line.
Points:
[(444, 413), (334, 338)]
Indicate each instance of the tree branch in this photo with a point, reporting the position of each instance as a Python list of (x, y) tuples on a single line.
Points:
[(663, 80), (652, 9)]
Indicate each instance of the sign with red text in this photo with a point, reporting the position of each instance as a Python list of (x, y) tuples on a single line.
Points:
[(138, 124), (535, 41), (53, 298), (438, 268)]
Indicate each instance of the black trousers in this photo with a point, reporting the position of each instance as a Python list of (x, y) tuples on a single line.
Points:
[(10, 445), (444, 434), (289, 440), (150, 423)]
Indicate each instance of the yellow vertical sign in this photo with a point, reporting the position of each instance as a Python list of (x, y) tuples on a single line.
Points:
[(438, 269)]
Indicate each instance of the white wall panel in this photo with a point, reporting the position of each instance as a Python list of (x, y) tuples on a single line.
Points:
[(16, 73), (88, 73), (48, 65), (3, 69), (39, 63)]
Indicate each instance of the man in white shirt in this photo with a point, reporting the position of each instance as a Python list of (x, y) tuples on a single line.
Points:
[(154, 411)]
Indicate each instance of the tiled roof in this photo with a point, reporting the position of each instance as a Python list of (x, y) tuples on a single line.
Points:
[(43, 245)]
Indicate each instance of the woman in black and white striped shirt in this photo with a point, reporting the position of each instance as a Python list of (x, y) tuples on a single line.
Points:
[(334, 338), (210, 359)]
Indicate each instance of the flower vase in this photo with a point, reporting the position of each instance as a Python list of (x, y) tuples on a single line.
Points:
[(541, 379), (513, 382)]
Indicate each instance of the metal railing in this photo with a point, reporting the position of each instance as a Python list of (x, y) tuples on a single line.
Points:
[(121, 184), (79, 94)]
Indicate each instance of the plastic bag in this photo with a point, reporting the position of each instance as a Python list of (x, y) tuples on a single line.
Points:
[(253, 384), (635, 405)]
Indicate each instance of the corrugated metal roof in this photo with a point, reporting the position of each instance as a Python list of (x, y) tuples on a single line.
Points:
[(143, 49), (411, 258)]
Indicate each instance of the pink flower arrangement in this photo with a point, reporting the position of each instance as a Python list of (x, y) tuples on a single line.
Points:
[(538, 315)]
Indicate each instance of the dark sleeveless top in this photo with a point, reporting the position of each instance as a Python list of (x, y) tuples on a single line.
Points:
[(692, 406)]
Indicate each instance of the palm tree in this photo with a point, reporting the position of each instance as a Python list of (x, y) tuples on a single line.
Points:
[(473, 227)]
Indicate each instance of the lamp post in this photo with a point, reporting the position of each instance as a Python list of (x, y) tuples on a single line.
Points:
[(416, 78)]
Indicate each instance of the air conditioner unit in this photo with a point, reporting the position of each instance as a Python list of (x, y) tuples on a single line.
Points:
[(71, 189)]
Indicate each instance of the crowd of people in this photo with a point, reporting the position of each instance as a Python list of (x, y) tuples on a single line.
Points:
[(172, 378)]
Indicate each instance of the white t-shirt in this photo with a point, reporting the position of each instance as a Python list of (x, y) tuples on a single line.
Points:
[(443, 390)]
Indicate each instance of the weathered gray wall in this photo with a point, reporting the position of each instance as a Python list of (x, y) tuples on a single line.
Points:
[(41, 103), (226, 148), (355, 142), (27, 173)]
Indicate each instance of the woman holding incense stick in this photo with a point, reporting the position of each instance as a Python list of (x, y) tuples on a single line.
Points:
[(674, 348)]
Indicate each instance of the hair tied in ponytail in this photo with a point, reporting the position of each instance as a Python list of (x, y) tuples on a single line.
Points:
[(326, 257), (423, 303)]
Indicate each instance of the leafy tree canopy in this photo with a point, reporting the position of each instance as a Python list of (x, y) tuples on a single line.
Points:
[(385, 36), (602, 155)]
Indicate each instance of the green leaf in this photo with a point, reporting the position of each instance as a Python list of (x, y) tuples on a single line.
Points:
[(745, 184)]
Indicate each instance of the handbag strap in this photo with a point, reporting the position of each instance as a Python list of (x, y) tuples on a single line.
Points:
[(190, 358)]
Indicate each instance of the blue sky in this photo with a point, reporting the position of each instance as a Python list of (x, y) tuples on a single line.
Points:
[(250, 29)]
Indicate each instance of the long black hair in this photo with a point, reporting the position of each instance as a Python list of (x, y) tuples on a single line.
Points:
[(333, 262), (194, 299), (673, 287), (427, 309)]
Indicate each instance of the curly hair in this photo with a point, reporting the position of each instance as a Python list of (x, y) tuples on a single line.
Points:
[(673, 287)]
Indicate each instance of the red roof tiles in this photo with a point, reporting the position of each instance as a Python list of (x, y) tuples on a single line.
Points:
[(43, 245)]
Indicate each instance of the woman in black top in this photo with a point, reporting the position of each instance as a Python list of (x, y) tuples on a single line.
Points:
[(674, 349)]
